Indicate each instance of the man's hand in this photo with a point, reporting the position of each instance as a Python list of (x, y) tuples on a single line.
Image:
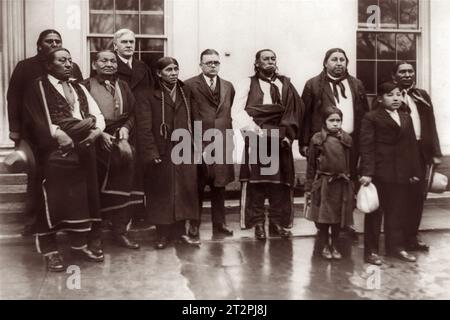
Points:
[(90, 139), (413, 180), (436, 161), (106, 141), (286, 143), (365, 180), (157, 160), (64, 141), (304, 151), (124, 133)]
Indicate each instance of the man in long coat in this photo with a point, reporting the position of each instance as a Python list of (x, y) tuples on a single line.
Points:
[(264, 102), (116, 165), (64, 122), (417, 103), (23, 76), (334, 86), (211, 99)]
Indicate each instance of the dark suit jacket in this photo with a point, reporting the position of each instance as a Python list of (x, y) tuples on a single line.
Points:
[(315, 101), (216, 115), (139, 78), (429, 142), (21, 80), (389, 152)]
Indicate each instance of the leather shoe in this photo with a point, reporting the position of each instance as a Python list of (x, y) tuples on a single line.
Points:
[(96, 246), (419, 246), (188, 240), (277, 230), (88, 255), (161, 243), (222, 228), (326, 253), (335, 253), (260, 232), (374, 259), (54, 262), (123, 241), (405, 256)]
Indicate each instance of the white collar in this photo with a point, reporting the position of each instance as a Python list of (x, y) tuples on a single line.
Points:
[(391, 111), (208, 79), (124, 60), (54, 81)]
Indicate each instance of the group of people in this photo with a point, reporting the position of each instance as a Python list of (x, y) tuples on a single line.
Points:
[(104, 146)]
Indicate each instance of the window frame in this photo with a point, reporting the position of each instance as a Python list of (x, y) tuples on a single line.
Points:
[(422, 43)]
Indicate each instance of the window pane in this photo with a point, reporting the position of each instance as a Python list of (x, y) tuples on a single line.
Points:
[(389, 14), (129, 21), (98, 44), (152, 5), (386, 46), (152, 24), (127, 5), (384, 70), (406, 46), (101, 23), (152, 45), (365, 71), (366, 45), (101, 4), (409, 14), (363, 16)]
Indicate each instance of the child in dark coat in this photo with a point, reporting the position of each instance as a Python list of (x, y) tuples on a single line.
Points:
[(328, 181)]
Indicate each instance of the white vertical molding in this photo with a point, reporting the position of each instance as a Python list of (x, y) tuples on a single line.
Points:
[(13, 44)]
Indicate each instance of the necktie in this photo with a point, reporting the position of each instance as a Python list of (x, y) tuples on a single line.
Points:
[(129, 64), (405, 100), (110, 87), (68, 93), (211, 84)]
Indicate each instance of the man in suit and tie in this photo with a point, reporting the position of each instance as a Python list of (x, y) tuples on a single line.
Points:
[(211, 101), (418, 104), (133, 71)]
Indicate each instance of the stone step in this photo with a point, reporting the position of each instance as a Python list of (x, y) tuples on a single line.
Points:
[(12, 207), (13, 179)]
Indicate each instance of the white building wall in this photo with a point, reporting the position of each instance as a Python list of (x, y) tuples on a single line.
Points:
[(440, 68)]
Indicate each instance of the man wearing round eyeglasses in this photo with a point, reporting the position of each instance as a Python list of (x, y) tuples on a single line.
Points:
[(211, 102)]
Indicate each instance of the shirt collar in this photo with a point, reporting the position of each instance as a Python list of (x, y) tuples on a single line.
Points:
[(208, 79), (126, 60), (54, 81), (391, 111)]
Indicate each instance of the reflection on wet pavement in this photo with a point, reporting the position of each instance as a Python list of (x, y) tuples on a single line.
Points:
[(240, 269)]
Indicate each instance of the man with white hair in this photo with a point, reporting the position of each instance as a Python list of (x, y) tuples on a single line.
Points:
[(135, 72)]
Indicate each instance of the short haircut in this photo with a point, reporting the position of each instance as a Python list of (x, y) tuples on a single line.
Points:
[(97, 55), (120, 33), (51, 54), (206, 52), (386, 87), (398, 64)]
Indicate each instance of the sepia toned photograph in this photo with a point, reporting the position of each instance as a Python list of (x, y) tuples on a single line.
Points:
[(241, 151)]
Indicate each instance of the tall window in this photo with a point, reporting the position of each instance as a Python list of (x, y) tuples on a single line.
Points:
[(146, 18), (388, 31)]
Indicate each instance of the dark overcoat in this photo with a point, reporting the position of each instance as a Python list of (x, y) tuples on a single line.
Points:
[(215, 114), (139, 78), (317, 95), (389, 152), (171, 189)]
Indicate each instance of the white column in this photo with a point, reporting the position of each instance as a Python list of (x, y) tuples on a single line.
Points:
[(12, 50)]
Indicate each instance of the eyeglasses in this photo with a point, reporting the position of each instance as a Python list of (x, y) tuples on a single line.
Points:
[(211, 63)]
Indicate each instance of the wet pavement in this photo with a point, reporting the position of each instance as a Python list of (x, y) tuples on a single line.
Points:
[(233, 268)]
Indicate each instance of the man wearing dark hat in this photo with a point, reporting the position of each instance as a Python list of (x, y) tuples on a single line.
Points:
[(114, 153), (268, 110), (417, 103), (334, 86), (22, 77), (212, 98), (64, 121)]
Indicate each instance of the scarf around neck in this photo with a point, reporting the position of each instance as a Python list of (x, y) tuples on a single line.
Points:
[(274, 92), (337, 82)]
